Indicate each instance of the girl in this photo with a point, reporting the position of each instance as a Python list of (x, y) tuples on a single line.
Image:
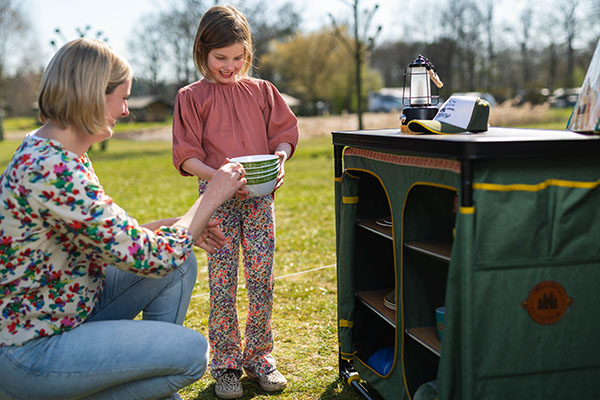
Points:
[(228, 114), (75, 268)]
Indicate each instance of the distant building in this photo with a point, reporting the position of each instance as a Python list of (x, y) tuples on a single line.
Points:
[(291, 101), (149, 109)]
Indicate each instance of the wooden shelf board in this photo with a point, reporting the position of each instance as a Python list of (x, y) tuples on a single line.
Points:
[(371, 224), (440, 249), (374, 300), (428, 337)]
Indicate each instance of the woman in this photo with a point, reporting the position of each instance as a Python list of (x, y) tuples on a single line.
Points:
[(75, 268)]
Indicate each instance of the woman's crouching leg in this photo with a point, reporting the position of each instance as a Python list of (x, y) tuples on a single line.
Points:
[(105, 360)]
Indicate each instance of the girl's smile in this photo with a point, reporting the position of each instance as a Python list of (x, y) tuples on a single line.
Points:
[(225, 63)]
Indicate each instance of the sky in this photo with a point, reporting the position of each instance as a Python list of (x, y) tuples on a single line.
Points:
[(117, 18)]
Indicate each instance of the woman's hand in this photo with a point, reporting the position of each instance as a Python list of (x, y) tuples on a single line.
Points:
[(242, 193), (224, 183), (211, 239), (227, 181)]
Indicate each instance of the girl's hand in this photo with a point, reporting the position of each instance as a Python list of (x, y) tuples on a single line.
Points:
[(282, 157), (211, 239), (242, 193)]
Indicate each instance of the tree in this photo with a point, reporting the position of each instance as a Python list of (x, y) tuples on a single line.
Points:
[(461, 23), (359, 47), (178, 28), (315, 68), (570, 21), (163, 43), (147, 52), (267, 26), (526, 19), (12, 26), (549, 34), (304, 65), (488, 13)]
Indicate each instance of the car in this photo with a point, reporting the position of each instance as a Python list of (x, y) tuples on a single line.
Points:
[(385, 103), (564, 98)]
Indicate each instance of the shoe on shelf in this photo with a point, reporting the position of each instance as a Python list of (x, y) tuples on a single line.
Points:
[(174, 396), (271, 382), (229, 386)]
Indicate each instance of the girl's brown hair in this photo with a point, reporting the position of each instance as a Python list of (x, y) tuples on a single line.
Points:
[(75, 82), (222, 26)]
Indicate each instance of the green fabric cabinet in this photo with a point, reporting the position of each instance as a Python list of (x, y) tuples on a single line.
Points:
[(501, 228)]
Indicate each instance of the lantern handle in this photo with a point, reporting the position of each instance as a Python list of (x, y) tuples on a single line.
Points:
[(430, 70), (435, 78)]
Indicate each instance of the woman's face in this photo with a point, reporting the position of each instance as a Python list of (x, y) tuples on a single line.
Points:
[(225, 63), (116, 104)]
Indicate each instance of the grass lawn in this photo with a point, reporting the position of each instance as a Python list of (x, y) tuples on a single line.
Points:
[(141, 179), (12, 124)]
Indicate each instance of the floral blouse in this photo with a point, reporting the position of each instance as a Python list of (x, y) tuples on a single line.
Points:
[(58, 232)]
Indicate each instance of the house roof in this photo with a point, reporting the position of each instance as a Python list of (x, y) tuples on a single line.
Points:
[(137, 102), (291, 101)]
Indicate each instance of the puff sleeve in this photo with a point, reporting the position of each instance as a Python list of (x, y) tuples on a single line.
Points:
[(188, 130), (282, 124)]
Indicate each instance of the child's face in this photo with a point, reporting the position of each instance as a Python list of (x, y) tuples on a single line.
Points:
[(225, 63)]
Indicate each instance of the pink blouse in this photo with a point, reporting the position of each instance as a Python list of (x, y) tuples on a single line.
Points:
[(213, 121)]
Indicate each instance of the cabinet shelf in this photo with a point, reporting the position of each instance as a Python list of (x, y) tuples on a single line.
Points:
[(440, 249), (371, 224), (428, 337), (373, 299)]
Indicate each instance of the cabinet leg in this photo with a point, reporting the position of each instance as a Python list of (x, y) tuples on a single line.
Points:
[(349, 375)]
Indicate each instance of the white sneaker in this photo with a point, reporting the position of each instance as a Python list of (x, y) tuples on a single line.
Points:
[(271, 382), (229, 385)]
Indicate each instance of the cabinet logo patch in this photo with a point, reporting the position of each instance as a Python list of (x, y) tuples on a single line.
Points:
[(547, 302)]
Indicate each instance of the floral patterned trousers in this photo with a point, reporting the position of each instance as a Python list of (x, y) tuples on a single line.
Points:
[(250, 224)]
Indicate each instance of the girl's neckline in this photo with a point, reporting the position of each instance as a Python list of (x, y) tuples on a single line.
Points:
[(228, 84)]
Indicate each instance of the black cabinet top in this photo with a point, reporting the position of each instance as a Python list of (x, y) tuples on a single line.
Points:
[(495, 143)]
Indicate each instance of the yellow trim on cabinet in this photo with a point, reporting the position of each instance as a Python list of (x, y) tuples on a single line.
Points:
[(344, 323), (535, 187), (350, 199)]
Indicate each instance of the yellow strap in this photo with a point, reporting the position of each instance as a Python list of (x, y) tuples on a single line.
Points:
[(350, 199), (338, 179), (354, 377), (344, 323), (467, 210)]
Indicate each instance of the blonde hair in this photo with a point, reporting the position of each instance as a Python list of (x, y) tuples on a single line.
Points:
[(75, 82), (222, 26)]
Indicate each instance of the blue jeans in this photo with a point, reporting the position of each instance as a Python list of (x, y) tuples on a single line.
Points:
[(111, 356)]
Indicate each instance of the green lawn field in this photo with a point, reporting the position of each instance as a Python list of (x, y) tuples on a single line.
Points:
[(141, 179)]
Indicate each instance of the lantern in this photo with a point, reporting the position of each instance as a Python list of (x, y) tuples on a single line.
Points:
[(419, 104)]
